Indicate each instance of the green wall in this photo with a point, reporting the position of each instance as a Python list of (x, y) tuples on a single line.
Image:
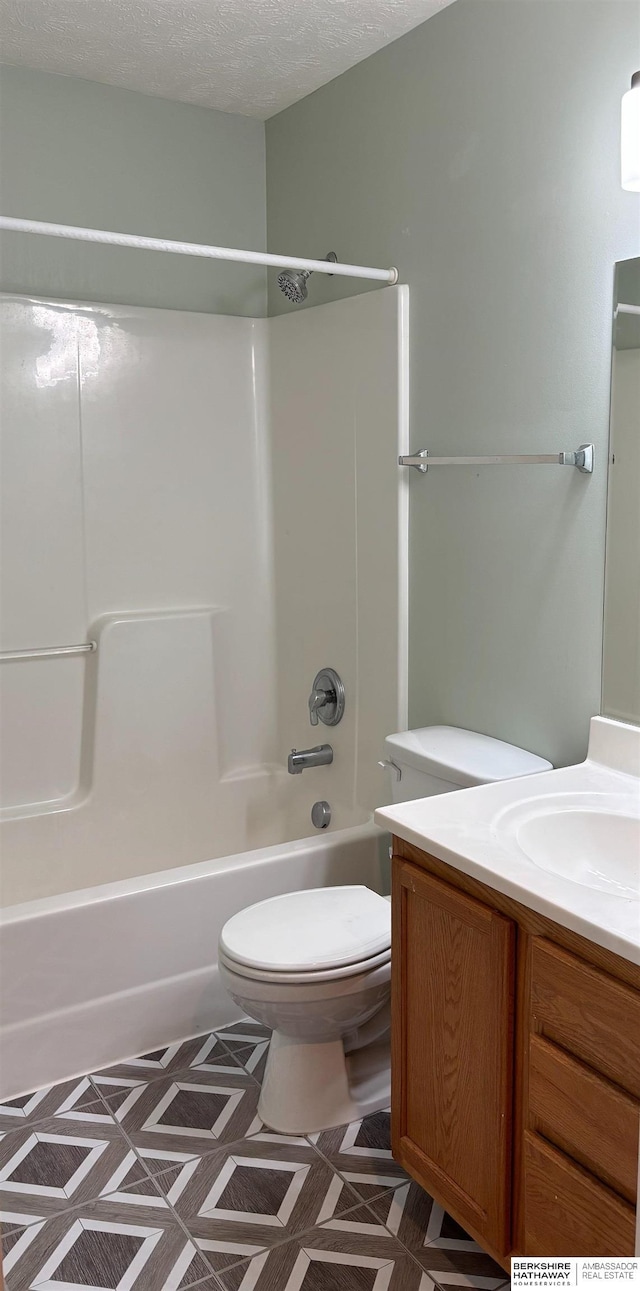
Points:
[(76, 152), (480, 154)]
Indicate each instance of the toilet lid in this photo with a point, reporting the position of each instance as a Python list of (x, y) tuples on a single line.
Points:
[(303, 931)]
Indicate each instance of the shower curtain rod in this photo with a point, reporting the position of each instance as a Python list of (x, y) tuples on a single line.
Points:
[(9, 222)]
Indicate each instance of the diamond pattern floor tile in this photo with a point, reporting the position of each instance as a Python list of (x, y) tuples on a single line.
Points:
[(57, 1165), (351, 1254), (442, 1248), (213, 1054), (253, 1057), (361, 1152), (70, 1101), (245, 1031), (129, 1238), (157, 1174), (248, 1041), (207, 1051), (264, 1134), (194, 1112), (254, 1194), (447, 1272)]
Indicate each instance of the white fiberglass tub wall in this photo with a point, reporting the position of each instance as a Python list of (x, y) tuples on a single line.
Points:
[(134, 512), (338, 405), (140, 472), (138, 468)]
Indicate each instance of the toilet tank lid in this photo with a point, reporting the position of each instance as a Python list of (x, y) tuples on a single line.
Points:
[(462, 757), (314, 929)]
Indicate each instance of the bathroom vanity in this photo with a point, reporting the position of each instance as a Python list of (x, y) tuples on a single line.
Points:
[(516, 1009), (516, 1067)]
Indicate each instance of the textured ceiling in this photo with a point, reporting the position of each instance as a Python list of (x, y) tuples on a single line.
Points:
[(249, 56)]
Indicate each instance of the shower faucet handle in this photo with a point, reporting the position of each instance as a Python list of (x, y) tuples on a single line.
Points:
[(317, 699), (326, 701)]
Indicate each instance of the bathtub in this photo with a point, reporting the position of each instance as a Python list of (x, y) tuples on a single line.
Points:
[(91, 977)]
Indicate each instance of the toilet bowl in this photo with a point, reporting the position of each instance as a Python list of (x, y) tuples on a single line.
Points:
[(315, 966)]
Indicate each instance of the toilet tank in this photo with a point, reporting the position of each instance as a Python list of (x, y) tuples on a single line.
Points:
[(438, 759)]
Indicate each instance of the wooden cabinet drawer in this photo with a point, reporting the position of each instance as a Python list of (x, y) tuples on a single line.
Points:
[(584, 1115), (567, 1211), (587, 1012)]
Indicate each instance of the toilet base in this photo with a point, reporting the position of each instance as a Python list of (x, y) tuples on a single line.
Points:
[(309, 1087)]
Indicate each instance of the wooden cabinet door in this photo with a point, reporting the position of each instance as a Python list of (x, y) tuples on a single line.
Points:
[(453, 976)]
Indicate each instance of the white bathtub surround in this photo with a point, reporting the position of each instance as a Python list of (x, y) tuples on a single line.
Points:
[(339, 405), (165, 493), (90, 977), (565, 843), (133, 443)]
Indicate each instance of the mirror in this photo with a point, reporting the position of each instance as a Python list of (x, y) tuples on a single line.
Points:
[(621, 649)]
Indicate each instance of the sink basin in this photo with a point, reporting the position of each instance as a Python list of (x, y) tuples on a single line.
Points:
[(591, 839)]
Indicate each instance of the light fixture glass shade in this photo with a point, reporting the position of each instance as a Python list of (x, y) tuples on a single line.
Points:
[(630, 136)]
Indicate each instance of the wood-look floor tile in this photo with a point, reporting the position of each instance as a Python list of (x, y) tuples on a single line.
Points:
[(359, 1255), (245, 1031), (444, 1250), (361, 1152), (251, 1053), (160, 1171), (194, 1112), (72, 1100), (257, 1194), (206, 1050), (57, 1165), (108, 1244)]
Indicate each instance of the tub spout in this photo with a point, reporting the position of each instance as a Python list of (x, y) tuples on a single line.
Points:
[(299, 760)]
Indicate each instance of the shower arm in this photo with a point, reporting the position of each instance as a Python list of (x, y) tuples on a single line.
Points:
[(13, 224)]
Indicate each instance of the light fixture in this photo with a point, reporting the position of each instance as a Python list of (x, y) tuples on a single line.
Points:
[(630, 136)]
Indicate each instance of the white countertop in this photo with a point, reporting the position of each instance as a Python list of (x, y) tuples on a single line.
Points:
[(464, 829)]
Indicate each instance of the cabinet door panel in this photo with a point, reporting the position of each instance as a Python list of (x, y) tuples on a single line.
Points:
[(453, 969)]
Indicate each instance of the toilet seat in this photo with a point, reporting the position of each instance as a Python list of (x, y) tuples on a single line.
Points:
[(302, 934), (321, 975)]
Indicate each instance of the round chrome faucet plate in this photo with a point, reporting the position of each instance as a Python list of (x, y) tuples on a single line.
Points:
[(332, 711)]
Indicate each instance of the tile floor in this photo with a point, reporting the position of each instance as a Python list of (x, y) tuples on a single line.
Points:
[(158, 1175)]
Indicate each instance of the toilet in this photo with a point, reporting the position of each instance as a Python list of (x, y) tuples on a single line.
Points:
[(315, 965)]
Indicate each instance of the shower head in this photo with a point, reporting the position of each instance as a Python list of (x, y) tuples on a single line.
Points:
[(293, 282)]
